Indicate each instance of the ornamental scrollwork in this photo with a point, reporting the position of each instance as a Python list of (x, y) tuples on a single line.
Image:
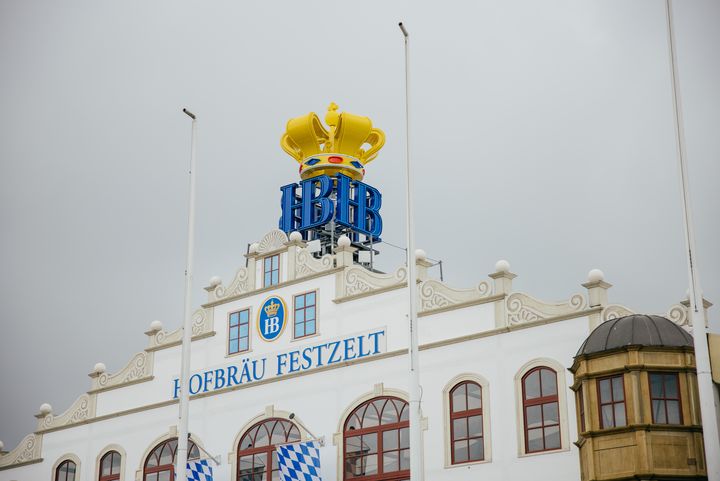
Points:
[(202, 323), (359, 280), (239, 285), (436, 295), (272, 241), (83, 408), (679, 315), (522, 308), (139, 368), (614, 311), (306, 264), (29, 449)]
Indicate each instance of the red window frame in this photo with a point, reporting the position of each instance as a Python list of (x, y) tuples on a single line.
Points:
[(274, 269), (234, 331), (466, 414), (664, 398), (304, 309), (113, 476), (193, 453), (402, 423), (289, 432), (67, 477), (540, 401), (612, 401)]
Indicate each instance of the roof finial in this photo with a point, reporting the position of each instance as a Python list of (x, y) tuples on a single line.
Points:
[(331, 117)]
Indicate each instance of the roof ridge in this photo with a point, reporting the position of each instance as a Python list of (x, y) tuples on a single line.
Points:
[(610, 330), (655, 324)]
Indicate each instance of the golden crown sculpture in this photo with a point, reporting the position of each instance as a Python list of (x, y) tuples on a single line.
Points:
[(340, 150), (272, 308)]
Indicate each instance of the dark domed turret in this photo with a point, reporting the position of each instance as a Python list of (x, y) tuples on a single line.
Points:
[(635, 330), (636, 388)]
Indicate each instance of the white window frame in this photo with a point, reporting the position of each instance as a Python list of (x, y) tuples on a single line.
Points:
[(66, 457), (110, 447)]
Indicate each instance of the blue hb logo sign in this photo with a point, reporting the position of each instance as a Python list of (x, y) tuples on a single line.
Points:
[(310, 204), (271, 318)]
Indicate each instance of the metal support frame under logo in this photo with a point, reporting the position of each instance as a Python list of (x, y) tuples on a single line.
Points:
[(329, 233)]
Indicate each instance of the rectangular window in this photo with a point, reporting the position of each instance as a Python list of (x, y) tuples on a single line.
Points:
[(581, 401), (239, 331), (665, 398), (305, 315), (611, 394), (271, 270)]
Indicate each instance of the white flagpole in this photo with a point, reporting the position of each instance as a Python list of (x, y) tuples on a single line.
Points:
[(182, 449), (416, 444), (708, 410)]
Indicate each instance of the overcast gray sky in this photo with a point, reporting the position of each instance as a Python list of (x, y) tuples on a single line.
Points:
[(542, 134)]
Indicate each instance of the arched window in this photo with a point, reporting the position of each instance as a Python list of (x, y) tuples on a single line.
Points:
[(466, 423), (376, 441), (110, 467), (257, 460), (160, 463), (541, 413), (66, 471)]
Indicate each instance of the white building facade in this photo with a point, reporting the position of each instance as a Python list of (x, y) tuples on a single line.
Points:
[(491, 359), (308, 340)]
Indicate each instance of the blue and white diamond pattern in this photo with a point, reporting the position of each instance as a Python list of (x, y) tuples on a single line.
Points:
[(199, 471), (299, 461)]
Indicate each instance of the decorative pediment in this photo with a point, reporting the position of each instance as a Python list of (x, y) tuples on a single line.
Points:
[(357, 281), (523, 308), (435, 295), (82, 409), (138, 369), (202, 325), (677, 313), (272, 241), (307, 265), (240, 284), (28, 451)]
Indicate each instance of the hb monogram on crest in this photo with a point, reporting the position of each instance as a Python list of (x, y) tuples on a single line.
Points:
[(272, 323), (271, 319)]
